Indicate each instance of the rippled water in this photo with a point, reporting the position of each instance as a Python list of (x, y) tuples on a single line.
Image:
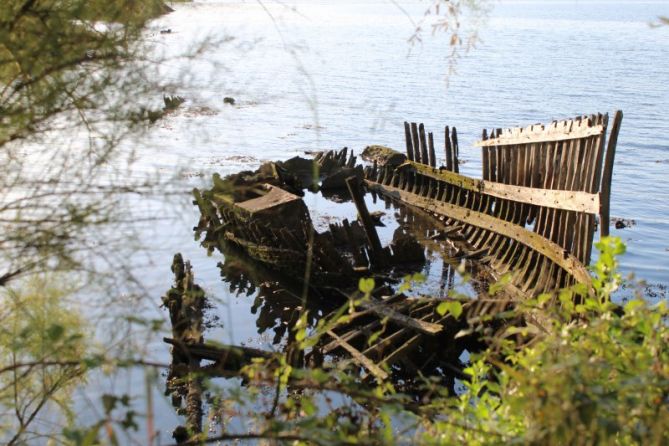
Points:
[(337, 74)]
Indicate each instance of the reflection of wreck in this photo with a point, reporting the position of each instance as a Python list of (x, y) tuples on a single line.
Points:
[(532, 216)]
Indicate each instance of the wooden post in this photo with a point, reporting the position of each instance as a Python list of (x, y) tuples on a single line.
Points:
[(605, 197), (433, 156), (423, 145), (416, 144), (407, 137), (455, 149), (447, 149), (376, 251)]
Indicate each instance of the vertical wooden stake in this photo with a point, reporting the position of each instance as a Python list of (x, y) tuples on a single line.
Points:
[(455, 150), (447, 149), (416, 145), (407, 136), (423, 145), (433, 156), (605, 196)]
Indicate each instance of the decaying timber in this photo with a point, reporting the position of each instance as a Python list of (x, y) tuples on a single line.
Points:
[(533, 213), (270, 222)]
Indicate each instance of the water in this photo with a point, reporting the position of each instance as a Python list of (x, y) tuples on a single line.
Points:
[(343, 74), (340, 74)]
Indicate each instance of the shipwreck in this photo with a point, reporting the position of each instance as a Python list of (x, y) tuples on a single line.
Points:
[(527, 224)]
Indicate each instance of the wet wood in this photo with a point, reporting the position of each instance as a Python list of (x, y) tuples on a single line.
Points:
[(424, 159), (376, 250), (409, 142), (432, 154), (533, 134), (533, 212), (359, 358), (455, 150), (401, 319), (605, 213), (383, 155), (236, 356), (560, 199)]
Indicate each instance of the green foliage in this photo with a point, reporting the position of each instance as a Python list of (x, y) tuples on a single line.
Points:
[(600, 375), (75, 80), (454, 308), (41, 346), (49, 50)]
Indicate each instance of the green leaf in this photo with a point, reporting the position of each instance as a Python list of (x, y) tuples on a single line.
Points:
[(453, 307), (366, 285)]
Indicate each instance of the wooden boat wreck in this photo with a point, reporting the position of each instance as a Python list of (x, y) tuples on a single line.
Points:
[(531, 216), (533, 213)]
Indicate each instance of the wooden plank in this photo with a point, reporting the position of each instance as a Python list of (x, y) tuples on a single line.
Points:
[(547, 248), (405, 348), (334, 344), (384, 311), (415, 180), (578, 201), (361, 359), (511, 137)]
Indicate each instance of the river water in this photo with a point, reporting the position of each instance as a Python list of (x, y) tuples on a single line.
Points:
[(329, 74)]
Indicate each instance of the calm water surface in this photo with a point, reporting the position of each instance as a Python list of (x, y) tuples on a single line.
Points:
[(334, 74)]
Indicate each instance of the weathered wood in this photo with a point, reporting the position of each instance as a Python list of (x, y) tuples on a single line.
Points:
[(605, 194), (424, 159), (448, 149), (386, 311), (376, 251), (353, 246), (409, 143), (559, 199), (222, 353), (531, 135), (349, 336), (415, 141), (403, 350), (277, 207), (358, 357), (383, 155), (455, 150), (547, 248), (433, 156)]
